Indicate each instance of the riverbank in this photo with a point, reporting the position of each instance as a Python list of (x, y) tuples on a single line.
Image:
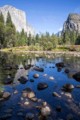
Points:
[(25, 50)]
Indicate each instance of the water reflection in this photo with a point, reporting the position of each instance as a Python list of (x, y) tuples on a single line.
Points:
[(14, 65)]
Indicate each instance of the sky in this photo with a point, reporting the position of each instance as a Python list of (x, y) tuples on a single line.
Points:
[(45, 15)]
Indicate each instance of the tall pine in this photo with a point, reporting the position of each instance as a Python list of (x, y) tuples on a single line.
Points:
[(2, 30), (10, 35)]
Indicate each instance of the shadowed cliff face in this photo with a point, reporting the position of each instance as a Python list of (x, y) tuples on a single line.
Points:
[(72, 23), (18, 18)]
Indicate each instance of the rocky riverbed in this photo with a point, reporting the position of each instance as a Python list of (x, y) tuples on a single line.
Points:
[(39, 87)]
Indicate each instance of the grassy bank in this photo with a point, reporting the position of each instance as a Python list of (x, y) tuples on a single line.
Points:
[(25, 49)]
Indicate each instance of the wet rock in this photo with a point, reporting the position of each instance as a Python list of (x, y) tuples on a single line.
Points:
[(77, 76), (68, 87), (6, 95), (29, 116), (36, 75), (28, 93), (51, 78), (55, 94), (58, 108), (42, 86), (36, 68), (22, 80), (60, 64), (45, 109)]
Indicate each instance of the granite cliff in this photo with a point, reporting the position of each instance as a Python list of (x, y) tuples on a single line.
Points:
[(18, 18), (72, 23)]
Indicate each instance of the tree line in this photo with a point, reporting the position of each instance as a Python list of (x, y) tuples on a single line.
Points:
[(9, 37)]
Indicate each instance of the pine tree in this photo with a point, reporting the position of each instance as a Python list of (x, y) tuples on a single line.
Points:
[(10, 36), (2, 30)]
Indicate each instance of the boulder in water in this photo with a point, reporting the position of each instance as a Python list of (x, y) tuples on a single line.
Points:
[(22, 80), (68, 87), (76, 76), (60, 65), (42, 86), (36, 68), (45, 110), (28, 92), (36, 75)]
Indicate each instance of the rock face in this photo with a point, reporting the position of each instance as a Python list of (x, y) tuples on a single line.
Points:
[(18, 18), (72, 23)]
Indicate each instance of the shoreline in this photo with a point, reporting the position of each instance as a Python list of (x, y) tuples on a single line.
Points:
[(42, 52)]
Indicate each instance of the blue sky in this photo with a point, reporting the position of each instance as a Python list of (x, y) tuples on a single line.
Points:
[(45, 15)]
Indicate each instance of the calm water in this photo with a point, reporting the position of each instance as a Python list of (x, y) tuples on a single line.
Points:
[(68, 106)]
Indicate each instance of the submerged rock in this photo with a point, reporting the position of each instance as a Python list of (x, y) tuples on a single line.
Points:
[(31, 80), (58, 108), (42, 86)]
